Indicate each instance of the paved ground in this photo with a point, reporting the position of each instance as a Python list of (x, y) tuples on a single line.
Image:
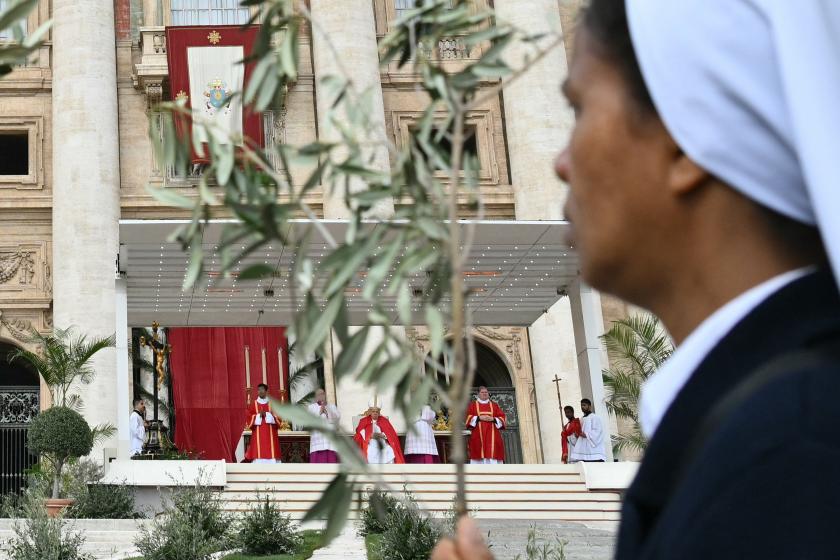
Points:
[(509, 538), (114, 540)]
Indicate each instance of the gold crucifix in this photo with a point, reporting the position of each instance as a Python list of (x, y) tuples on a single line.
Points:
[(159, 352)]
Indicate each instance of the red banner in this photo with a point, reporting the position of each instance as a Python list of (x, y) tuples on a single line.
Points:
[(209, 376), (204, 71)]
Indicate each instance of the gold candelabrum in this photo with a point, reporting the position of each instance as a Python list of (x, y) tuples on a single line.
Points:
[(442, 424), (284, 424)]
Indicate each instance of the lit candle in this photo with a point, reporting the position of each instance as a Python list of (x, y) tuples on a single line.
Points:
[(247, 369), (280, 367), (265, 372)]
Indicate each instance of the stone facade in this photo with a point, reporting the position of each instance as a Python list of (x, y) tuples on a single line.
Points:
[(518, 132)]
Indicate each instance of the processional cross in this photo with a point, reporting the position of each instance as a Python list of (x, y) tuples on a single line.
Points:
[(557, 381), (160, 351)]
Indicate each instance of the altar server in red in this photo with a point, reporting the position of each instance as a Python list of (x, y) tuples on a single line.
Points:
[(486, 420), (265, 445)]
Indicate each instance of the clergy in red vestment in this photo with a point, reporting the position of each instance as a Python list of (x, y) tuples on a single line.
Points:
[(265, 445), (486, 420), (571, 431), (377, 438)]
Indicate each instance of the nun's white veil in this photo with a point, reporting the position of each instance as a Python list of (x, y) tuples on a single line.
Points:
[(750, 90)]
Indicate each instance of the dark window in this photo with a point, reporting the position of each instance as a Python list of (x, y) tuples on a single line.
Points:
[(470, 144), (14, 153)]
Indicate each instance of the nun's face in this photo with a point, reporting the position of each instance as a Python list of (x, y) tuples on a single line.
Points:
[(616, 166)]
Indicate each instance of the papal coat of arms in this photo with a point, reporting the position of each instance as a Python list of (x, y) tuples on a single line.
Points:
[(218, 97)]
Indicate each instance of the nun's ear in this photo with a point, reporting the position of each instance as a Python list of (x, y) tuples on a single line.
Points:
[(684, 175)]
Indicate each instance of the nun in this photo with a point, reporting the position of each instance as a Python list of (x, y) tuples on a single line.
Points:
[(704, 185)]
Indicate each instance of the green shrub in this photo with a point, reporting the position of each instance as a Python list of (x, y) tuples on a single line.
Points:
[(39, 537), (105, 501), (374, 517), (535, 550), (59, 434), (265, 530), (409, 535), (193, 528), (95, 500)]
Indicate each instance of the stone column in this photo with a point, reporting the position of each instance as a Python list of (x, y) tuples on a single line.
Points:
[(86, 187), (591, 356), (344, 45), (124, 375), (151, 15), (537, 118), (537, 124)]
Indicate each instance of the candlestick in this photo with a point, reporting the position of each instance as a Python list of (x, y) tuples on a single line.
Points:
[(280, 367), (265, 372), (247, 369)]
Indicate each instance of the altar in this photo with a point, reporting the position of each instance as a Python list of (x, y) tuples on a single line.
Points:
[(294, 445)]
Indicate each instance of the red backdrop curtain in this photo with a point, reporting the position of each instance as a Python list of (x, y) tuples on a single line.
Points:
[(209, 380)]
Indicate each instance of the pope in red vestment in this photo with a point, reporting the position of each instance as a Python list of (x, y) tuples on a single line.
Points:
[(372, 427), (571, 431), (486, 420), (262, 421)]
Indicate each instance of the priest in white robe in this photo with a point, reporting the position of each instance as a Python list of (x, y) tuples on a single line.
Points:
[(137, 426), (321, 449), (589, 444), (420, 444)]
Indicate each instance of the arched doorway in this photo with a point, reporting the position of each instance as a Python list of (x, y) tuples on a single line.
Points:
[(492, 372), (19, 403)]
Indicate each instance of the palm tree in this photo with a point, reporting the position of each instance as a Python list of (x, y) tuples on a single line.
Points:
[(637, 347), (63, 360)]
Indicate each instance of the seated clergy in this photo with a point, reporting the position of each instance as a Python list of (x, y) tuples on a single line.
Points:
[(420, 445), (265, 445), (321, 449), (486, 420), (377, 438)]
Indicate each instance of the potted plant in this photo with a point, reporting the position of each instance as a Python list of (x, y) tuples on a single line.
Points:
[(59, 435)]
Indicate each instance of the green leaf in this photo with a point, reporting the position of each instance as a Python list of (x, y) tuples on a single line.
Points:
[(170, 197), (225, 159), (289, 53), (196, 265), (394, 372), (348, 359), (16, 13), (267, 91), (321, 327), (257, 76), (256, 272), (204, 192), (334, 505), (404, 304), (34, 39), (434, 321), (383, 263)]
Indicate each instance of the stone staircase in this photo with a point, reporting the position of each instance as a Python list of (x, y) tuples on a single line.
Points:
[(524, 492), (111, 539)]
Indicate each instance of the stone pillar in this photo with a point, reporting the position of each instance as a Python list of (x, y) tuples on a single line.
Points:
[(537, 124), (537, 117), (553, 354), (124, 375), (591, 357), (86, 187), (344, 45), (151, 15)]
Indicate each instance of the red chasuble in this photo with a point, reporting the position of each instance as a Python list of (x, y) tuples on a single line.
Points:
[(571, 429), (264, 442), (387, 429), (486, 438)]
